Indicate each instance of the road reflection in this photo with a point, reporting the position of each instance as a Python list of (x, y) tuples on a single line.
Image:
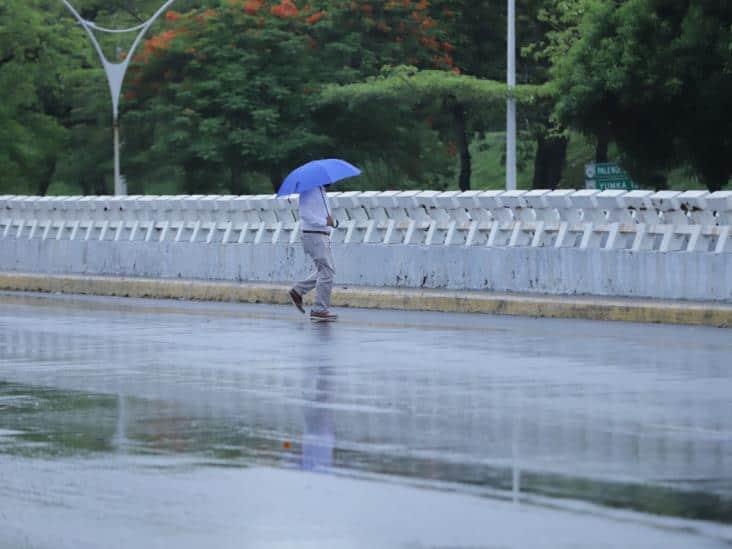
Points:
[(318, 438)]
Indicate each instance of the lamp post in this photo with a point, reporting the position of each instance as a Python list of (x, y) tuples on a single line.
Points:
[(511, 101), (115, 72)]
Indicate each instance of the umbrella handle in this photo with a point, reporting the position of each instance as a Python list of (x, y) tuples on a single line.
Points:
[(325, 203)]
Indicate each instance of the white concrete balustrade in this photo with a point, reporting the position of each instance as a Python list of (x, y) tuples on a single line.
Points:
[(666, 221)]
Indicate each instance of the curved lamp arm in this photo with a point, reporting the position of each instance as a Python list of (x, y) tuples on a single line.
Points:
[(116, 71), (116, 74)]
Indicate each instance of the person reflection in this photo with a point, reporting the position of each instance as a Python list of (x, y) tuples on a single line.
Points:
[(318, 438)]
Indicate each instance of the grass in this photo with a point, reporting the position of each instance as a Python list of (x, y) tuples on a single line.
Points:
[(489, 171), (488, 162)]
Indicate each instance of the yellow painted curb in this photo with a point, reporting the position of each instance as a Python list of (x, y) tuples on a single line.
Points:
[(593, 308)]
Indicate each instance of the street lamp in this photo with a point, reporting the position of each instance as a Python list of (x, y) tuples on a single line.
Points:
[(511, 101), (116, 74)]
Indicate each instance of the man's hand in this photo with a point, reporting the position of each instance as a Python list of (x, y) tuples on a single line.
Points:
[(329, 221)]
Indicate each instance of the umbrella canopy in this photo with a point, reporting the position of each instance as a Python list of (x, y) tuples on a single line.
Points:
[(317, 173)]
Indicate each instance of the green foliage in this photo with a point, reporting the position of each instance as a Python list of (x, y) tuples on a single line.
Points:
[(34, 49), (476, 30), (454, 105), (234, 92), (408, 85), (559, 20), (229, 95), (654, 77), (225, 96)]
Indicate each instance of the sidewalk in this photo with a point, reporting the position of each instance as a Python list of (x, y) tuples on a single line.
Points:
[(533, 305)]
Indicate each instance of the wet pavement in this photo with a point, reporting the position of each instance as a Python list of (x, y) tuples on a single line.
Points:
[(148, 423)]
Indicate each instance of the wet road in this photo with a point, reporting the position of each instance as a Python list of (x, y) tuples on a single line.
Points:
[(173, 424)]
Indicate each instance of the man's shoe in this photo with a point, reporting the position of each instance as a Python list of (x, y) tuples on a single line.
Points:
[(323, 316), (296, 300)]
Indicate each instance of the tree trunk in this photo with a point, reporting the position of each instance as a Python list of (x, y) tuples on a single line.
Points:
[(100, 186), (658, 180), (46, 177), (601, 147), (85, 185), (714, 176), (92, 184), (551, 155), (190, 177), (713, 186), (461, 134), (236, 183), (716, 182), (275, 177)]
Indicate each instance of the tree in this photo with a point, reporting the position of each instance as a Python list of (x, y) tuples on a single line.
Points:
[(464, 99), (366, 40), (55, 123), (478, 29), (654, 77), (226, 90), (35, 53), (233, 90)]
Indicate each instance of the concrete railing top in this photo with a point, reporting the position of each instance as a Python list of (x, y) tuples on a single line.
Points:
[(541, 198), (637, 220)]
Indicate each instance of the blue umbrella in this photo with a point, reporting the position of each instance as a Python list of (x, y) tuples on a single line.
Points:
[(317, 173)]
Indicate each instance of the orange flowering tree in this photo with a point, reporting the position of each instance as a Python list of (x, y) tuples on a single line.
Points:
[(234, 90), (222, 93)]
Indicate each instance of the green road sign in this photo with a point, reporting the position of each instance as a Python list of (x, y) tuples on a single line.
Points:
[(607, 175)]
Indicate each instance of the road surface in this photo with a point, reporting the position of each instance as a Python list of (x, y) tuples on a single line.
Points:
[(147, 423)]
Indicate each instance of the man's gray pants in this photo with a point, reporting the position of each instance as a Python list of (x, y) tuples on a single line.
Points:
[(317, 246)]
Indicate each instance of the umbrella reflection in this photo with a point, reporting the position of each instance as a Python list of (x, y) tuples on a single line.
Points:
[(318, 438)]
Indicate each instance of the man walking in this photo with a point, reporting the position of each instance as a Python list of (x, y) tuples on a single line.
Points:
[(316, 223)]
